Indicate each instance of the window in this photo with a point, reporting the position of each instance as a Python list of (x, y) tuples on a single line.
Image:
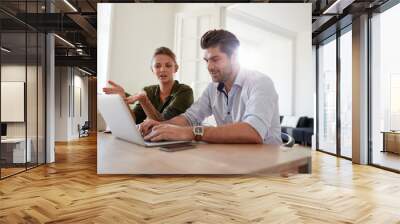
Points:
[(346, 93), (22, 65), (385, 85), (327, 96)]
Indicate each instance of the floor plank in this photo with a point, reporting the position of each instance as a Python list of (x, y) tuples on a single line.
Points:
[(387, 159), (69, 191)]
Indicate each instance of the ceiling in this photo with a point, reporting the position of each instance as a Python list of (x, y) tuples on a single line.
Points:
[(76, 22)]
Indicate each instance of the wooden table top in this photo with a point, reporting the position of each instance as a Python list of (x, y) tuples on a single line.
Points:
[(116, 156), (391, 132)]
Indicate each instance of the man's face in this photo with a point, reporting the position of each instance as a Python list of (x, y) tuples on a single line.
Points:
[(218, 64)]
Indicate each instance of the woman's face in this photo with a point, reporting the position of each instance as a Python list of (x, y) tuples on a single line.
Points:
[(164, 68)]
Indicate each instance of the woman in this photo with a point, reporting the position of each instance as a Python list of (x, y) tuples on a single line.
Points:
[(158, 102)]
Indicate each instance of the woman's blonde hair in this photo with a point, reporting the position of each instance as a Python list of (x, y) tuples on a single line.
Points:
[(165, 51)]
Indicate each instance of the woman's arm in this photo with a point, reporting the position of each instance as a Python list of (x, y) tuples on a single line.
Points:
[(182, 100), (150, 110), (145, 106)]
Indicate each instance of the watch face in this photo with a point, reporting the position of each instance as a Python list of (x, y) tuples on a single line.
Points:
[(198, 130)]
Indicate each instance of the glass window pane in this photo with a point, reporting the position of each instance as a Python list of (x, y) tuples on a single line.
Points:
[(346, 94), (22, 88), (13, 86), (327, 96), (385, 86)]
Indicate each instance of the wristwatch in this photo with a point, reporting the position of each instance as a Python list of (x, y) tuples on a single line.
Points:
[(198, 132)]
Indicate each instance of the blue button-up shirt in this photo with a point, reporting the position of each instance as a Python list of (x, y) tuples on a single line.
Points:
[(252, 99)]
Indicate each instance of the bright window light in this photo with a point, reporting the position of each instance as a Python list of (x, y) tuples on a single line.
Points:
[(248, 57)]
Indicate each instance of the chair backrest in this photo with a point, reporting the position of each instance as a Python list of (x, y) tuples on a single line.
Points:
[(86, 125), (288, 141), (310, 122), (303, 122)]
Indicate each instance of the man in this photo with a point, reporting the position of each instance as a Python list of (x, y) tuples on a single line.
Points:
[(244, 102)]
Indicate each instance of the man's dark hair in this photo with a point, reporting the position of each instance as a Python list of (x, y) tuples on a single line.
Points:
[(226, 41)]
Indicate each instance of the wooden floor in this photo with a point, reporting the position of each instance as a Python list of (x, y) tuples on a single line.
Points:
[(387, 159), (70, 191), (10, 171), (5, 172)]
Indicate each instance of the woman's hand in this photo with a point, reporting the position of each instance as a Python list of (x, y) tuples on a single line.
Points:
[(141, 97), (114, 89)]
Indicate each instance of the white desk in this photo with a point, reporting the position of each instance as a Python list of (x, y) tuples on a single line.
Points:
[(115, 156), (18, 153)]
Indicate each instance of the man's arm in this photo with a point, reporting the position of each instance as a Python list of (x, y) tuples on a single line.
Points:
[(240, 132), (231, 133)]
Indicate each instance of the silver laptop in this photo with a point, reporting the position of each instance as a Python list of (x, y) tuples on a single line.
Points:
[(121, 123)]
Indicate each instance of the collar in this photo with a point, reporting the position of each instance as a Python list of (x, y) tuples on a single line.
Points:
[(174, 89), (239, 79)]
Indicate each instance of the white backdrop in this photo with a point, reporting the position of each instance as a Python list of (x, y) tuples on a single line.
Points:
[(12, 101)]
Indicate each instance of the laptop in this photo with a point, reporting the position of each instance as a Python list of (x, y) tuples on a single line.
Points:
[(121, 123)]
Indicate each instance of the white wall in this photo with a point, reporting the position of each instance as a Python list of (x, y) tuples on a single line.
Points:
[(268, 53), (17, 73), (304, 81), (104, 30), (79, 117), (62, 113), (33, 127), (284, 38), (193, 7), (66, 119), (137, 30), (291, 17), (84, 84), (14, 73)]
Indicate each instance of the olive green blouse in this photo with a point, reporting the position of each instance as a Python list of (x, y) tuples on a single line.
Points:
[(180, 99)]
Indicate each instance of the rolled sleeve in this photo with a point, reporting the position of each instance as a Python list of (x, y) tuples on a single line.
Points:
[(258, 124), (261, 106), (190, 118)]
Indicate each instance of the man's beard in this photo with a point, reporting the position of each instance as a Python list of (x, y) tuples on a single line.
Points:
[(224, 75)]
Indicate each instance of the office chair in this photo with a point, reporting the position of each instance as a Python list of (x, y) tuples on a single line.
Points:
[(288, 141), (84, 130)]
